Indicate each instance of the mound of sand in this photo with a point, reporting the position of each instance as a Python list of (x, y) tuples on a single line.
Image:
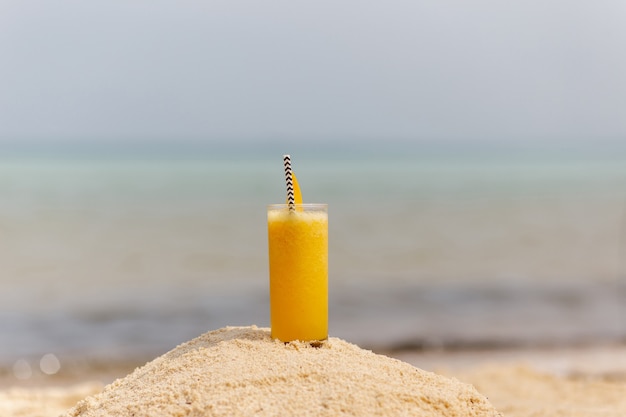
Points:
[(241, 371)]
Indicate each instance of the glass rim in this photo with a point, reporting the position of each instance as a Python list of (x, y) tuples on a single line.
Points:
[(310, 206)]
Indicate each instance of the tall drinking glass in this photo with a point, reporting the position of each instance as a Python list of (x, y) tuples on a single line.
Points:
[(298, 266)]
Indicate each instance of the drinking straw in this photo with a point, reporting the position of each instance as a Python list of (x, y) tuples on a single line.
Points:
[(289, 177)]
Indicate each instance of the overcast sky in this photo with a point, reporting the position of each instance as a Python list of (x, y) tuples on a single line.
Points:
[(144, 70)]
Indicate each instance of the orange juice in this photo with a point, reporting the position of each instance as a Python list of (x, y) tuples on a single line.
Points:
[(298, 253)]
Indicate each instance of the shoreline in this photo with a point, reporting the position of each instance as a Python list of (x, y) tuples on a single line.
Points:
[(602, 361)]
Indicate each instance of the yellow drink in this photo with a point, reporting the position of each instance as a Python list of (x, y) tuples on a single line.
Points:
[(298, 252)]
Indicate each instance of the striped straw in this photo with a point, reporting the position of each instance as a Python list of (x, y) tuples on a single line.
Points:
[(289, 177)]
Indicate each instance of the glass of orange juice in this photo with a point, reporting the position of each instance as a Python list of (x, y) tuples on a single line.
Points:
[(298, 266)]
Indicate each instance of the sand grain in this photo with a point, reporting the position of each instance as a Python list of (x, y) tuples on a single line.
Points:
[(241, 371)]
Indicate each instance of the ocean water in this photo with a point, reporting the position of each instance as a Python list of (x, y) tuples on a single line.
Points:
[(124, 256)]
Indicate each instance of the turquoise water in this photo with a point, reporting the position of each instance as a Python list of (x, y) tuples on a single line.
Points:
[(124, 255)]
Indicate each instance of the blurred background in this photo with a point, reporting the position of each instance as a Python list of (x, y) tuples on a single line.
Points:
[(473, 156)]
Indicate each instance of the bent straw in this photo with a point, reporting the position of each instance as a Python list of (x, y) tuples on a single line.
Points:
[(289, 178)]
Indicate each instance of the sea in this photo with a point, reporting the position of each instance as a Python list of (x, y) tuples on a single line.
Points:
[(119, 254)]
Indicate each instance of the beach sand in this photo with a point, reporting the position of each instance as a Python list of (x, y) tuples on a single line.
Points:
[(549, 382), (239, 367)]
